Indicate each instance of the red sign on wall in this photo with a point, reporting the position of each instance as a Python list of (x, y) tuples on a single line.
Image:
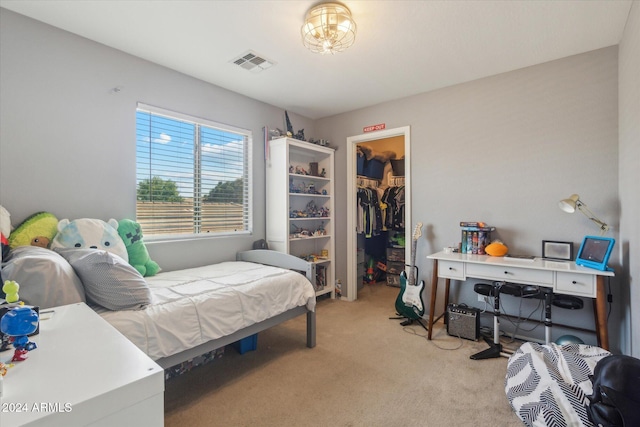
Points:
[(374, 127)]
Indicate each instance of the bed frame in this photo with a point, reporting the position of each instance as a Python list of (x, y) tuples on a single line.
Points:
[(260, 256)]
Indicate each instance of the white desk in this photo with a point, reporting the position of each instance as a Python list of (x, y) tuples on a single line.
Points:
[(563, 277), (83, 373)]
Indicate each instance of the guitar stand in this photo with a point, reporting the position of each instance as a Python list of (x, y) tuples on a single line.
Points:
[(407, 321), (410, 322)]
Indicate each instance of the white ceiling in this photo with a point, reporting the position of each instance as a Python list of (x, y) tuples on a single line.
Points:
[(402, 47)]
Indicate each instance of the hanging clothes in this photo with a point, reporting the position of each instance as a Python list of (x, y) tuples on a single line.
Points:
[(369, 213), (393, 197)]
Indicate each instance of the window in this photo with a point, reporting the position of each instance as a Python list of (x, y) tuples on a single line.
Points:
[(193, 176)]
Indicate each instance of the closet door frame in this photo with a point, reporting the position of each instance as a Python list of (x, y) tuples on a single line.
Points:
[(352, 241)]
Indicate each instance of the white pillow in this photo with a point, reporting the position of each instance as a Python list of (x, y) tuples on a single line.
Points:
[(45, 278), (108, 280)]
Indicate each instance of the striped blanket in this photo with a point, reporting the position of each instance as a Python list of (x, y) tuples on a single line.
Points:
[(550, 385)]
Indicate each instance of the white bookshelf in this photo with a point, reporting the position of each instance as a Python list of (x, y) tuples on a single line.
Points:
[(289, 191)]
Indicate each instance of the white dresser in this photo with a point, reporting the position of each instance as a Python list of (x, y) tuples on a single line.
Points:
[(83, 373)]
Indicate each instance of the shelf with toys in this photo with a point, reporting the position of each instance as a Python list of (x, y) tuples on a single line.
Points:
[(300, 204)]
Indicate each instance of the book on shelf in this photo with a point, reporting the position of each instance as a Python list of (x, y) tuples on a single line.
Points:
[(472, 224), (474, 239), (486, 228)]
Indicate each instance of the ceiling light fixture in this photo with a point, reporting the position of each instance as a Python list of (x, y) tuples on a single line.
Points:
[(328, 28)]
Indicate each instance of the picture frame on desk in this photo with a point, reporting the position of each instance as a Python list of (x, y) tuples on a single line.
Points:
[(557, 251)]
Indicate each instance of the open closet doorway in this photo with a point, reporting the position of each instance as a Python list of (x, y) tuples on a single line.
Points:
[(353, 142)]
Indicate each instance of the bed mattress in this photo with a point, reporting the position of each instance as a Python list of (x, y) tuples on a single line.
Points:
[(192, 306)]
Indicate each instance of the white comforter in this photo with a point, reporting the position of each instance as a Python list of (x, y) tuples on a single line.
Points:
[(190, 307)]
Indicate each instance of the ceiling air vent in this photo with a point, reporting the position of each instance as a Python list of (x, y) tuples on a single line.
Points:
[(253, 62)]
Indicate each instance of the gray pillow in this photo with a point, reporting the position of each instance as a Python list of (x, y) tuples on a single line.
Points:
[(108, 280), (45, 278)]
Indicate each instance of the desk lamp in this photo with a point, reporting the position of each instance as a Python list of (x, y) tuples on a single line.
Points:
[(569, 205)]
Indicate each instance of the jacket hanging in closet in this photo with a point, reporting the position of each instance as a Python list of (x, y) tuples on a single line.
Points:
[(393, 197), (369, 213)]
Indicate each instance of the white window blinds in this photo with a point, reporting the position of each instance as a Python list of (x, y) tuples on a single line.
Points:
[(192, 175)]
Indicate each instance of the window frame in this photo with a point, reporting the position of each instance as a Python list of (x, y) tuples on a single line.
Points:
[(247, 210)]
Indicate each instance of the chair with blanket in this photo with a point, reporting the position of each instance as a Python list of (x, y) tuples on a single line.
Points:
[(573, 385)]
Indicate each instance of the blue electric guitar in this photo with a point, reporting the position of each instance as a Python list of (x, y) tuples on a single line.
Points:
[(409, 302)]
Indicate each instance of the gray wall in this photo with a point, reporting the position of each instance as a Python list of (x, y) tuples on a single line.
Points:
[(67, 145), (629, 147), (505, 150)]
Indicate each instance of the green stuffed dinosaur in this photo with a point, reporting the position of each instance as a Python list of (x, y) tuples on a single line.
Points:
[(131, 232)]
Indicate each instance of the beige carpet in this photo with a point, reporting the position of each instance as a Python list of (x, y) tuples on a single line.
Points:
[(366, 370)]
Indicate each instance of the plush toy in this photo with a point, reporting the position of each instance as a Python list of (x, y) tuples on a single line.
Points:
[(131, 233), (10, 288), (5, 231), (90, 233), (37, 230)]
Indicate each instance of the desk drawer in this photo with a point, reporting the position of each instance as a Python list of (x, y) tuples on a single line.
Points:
[(451, 270), (510, 274), (576, 284)]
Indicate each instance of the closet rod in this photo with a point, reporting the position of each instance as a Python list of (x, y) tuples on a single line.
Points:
[(366, 182)]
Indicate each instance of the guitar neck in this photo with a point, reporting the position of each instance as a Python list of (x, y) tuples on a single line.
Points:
[(412, 279)]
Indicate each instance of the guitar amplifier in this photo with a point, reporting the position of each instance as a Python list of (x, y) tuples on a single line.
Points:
[(463, 322)]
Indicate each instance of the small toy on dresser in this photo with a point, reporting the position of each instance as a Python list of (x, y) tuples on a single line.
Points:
[(17, 322)]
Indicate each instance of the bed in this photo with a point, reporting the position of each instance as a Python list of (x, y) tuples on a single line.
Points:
[(192, 311), (201, 309)]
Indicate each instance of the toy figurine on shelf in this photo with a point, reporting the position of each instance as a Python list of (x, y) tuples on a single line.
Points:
[(289, 125), (311, 209), (299, 232), (11, 288), (18, 322), (320, 231)]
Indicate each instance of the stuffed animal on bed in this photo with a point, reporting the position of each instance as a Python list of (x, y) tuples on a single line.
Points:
[(5, 230), (37, 230), (131, 233), (90, 233)]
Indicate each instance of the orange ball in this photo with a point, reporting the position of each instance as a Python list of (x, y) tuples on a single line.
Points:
[(496, 249)]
